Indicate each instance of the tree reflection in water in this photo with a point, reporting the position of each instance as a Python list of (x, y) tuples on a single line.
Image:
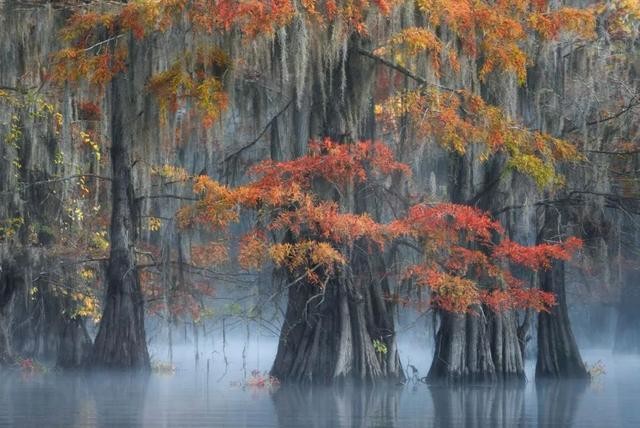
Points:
[(347, 405)]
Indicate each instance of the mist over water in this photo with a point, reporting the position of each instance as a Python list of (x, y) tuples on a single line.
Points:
[(219, 397)]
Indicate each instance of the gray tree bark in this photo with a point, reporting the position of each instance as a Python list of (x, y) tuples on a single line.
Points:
[(121, 340)]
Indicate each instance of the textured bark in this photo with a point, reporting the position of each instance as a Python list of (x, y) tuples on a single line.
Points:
[(506, 350), (558, 354), (121, 342), (327, 335), (75, 344), (462, 351), (481, 346)]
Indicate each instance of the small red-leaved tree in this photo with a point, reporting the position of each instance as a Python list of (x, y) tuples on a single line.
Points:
[(338, 322), (467, 267)]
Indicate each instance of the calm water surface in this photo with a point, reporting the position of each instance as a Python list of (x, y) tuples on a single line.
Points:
[(188, 398)]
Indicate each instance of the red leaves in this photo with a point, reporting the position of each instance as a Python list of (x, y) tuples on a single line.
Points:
[(88, 111), (537, 257), (440, 220), (466, 259), (466, 253), (340, 164)]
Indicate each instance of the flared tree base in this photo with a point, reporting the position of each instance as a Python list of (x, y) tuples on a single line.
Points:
[(340, 333)]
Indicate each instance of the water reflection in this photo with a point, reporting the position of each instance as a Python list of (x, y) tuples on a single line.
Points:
[(347, 406), (118, 399), (187, 398), (480, 406), (558, 402)]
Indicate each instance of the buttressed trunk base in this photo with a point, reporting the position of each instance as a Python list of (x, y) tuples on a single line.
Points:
[(339, 333)]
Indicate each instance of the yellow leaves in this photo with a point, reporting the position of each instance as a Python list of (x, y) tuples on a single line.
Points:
[(167, 86), (58, 121), (75, 213), (99, 241), (458, 119), (86, 306), (211, 99), (216, 208), (532, 166), (415, 40), (322, 253), (176, 83), (306, 256), (87, 273), (153, 224), (87, 140), (170, 173), (15, 132)]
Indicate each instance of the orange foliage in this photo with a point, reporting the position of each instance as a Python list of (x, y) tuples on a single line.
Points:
[(466, 253), (281, 193), (253, 250), (458, 119), (496, 31), (213, 253), (466, 258)]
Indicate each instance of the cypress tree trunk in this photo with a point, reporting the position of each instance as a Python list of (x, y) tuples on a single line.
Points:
[(462, 351), (328, 335), (483, 345), (558, 354), (121, 341), (75, 344), (8, 288), (506, 349)]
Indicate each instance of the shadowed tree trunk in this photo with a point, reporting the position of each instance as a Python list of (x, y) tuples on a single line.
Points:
[(8, 287), (75, 344), (462, 351), (121, 341), (558, 354), (328, 335), (506, 350)]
